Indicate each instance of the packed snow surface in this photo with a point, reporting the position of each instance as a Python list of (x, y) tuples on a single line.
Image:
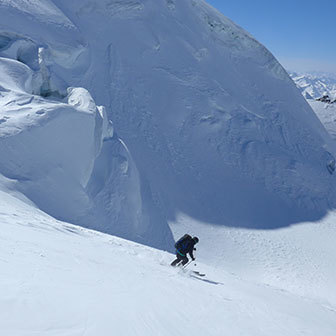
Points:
[(59, 279)]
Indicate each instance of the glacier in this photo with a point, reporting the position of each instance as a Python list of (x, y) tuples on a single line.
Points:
[(206, 121), (143, 120)]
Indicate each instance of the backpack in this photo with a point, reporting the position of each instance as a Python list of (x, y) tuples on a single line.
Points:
[(182, 244)]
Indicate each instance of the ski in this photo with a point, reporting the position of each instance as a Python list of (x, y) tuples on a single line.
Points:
[(199, 274)]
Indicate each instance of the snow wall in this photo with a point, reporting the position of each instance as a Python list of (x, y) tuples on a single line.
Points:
[(205, 121)]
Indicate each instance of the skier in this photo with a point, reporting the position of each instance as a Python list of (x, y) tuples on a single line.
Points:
[(183, 246)]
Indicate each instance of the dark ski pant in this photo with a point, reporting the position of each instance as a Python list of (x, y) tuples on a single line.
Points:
[(178, 259)]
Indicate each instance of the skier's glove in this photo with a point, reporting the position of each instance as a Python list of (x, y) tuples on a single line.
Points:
[(193, 259)]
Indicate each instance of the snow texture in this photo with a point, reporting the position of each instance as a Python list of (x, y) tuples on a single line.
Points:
[(327, 115), (59, 279), (211, 124), (313, 87), (147, 119)]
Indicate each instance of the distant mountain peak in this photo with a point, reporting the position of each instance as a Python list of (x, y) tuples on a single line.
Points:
[(315, 84)]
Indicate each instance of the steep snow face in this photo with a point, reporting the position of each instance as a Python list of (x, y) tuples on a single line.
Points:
[(214, 127), (58, 147), (314, 86), (63, 155), (214, 123), (327, 115), (44, 10), (48, 146)]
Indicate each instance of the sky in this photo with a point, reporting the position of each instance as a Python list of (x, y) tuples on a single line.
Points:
[(299, 33)]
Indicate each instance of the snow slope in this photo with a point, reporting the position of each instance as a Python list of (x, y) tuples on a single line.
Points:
[(298, 259), (123, 115), (327, 115), (59, 279), (211, 124), (314, 86)]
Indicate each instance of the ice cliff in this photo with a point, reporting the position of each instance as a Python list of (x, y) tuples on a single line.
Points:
[(118, 115)]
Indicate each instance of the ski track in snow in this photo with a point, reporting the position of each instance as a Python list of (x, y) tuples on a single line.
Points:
[(60, 279)]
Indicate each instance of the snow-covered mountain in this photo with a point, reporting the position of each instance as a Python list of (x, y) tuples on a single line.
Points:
[(315, 85), (211, 124), (147, 119), (327, 114)]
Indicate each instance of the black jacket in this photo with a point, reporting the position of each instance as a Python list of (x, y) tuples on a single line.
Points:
[(189, 248)]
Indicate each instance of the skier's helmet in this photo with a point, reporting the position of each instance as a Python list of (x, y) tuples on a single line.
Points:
[(195, 239)]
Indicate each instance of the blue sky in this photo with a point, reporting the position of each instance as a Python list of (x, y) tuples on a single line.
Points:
[(300, 33)]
